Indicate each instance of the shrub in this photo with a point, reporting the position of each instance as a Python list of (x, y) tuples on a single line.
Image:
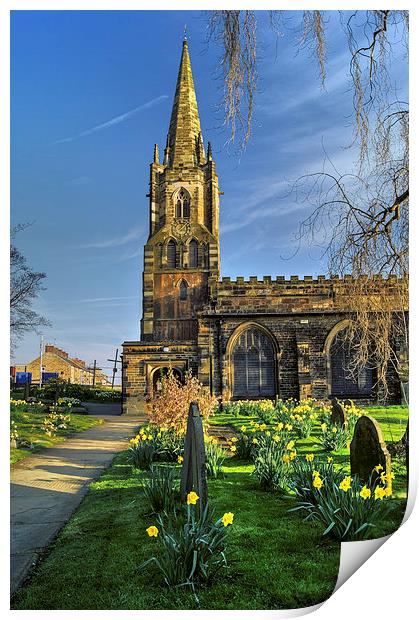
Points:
[(214, 457), (272, 459), (161, 489), (169, 408), (69, 402), (349, 510), (193, 548)]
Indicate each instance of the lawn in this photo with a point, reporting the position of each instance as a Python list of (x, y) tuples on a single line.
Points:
[(392, 419), (276, 560), (29, 426)]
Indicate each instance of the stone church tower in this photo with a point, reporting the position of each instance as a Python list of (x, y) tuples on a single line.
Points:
[(274, 337), (181, 256)]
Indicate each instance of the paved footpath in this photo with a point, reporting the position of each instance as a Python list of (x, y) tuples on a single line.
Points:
[(47, 487)]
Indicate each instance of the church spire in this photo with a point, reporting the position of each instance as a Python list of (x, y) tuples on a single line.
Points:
[(185, 128)]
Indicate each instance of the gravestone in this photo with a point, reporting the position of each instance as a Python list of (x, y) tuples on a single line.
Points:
[(368, 449), (338, 413), (194, 470)]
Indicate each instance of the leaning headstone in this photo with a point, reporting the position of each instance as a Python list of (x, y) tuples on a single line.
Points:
[(338, 413), (194, 470), (368, 449)]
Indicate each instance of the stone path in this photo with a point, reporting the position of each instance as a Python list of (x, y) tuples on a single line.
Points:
[(222, 432), (103, 409), (48, 486)]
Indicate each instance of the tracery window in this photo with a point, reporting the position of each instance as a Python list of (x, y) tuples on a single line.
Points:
[(347, 384), (183, 204), (253, 362)]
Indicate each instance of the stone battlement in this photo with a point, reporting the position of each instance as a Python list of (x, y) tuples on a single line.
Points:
[(240, 280)]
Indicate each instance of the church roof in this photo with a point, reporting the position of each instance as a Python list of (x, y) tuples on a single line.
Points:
[(184, 140)]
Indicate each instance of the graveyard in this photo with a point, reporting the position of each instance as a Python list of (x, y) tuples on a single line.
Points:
[(275, 556)]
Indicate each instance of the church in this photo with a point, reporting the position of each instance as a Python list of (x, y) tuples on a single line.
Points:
[(244, 338)]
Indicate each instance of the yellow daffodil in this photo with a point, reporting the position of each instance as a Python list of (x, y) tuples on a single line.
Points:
[(286, 458), (345, 485), (324, 426), (262, 427), (279, 426), (276, 438), (254, 440), (150, 438), (334, 429), (290, 445), (365, 492), (288, 427), (315, 473), (243, 429), (180, 459), (379, 493), (227, 518), (233, 449), (309, 457), (152, 531), (234, 439), (268, 433), (293, 455), (192, 498), (317, 482), (388, 491), (378, 468), (329, 459)]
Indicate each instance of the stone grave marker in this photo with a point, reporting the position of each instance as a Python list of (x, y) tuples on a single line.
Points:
[(338, 413), (194, 470), (368, 449)]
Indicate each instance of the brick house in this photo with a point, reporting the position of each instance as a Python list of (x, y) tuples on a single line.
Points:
[(70, 369), (243, 338)]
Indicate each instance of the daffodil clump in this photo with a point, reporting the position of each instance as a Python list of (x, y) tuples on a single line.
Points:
[(215, 456), (156, 443), (310, 473), (349, 508), (273, 456), (161, 488), (20, 406), (334, 436), (192, 544), (55, 422), (303, 418)]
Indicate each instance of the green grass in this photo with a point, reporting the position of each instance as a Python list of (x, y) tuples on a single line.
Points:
[(30, 428), (275, 560), (392, 419)]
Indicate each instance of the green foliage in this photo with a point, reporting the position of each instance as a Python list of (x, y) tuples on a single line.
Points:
[(349, 510), (142, 453), (334, 436), (303, 472), (20, 406), (161, 489), (55, 422), (272, 461), (192, 548), (215, 457), (73, 390)]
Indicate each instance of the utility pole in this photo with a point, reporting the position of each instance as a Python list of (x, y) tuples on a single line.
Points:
[(115, 367), (40, 361)]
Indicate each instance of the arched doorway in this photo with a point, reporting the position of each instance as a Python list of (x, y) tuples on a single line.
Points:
[(160, 373), (252, 360)]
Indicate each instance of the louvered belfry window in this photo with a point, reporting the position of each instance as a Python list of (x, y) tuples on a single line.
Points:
[(253, 366), (171, 254), (344, 383), (193, 254)]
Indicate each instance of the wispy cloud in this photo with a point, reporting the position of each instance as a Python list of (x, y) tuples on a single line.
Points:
[(132, 235), (113, 121)]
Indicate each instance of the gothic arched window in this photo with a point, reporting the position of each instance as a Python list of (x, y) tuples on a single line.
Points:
[(171, 254), (183, 202), (253, 361), (193, 253), (344, 382), (183, 290)]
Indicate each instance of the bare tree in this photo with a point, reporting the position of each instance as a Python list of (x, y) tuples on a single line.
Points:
[(25, 286), (361, 220)]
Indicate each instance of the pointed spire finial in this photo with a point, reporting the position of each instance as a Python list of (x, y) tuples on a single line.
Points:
[(209, 152), (156, 154), (185, 32)]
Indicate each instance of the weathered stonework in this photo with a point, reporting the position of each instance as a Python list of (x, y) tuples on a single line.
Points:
[(278, 331)]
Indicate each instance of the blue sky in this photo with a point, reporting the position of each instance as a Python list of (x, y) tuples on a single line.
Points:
[(91, 92)]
